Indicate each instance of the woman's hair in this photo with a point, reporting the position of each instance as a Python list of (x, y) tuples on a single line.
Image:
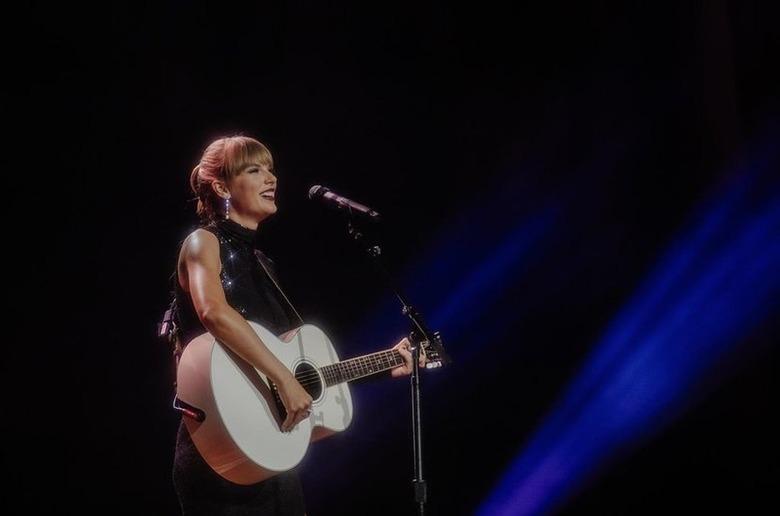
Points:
[(224, 159)]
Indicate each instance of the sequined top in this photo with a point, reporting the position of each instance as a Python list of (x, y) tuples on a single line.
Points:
[(248, 289)]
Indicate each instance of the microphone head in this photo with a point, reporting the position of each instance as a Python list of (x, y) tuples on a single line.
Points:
[(317, 191)]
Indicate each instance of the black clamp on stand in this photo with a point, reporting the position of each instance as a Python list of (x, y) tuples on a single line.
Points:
[(421, 337)]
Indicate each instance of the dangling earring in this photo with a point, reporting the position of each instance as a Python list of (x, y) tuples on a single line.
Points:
[(227, 208)]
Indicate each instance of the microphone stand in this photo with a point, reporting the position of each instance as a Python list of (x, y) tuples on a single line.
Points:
[(420, 335)]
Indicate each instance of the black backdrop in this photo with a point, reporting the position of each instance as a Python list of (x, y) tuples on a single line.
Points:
[(630, 112)]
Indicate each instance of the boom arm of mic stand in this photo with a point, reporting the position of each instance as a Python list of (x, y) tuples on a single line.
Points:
[(375, 252)]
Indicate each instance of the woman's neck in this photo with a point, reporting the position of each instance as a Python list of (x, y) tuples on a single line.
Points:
[(244, 222)]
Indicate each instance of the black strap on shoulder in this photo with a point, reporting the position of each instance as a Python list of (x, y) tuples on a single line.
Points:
[(267, 265)]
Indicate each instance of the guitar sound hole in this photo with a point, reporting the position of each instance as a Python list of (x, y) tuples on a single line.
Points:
[(307, 376)]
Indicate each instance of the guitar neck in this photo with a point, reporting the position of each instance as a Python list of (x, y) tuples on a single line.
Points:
[(360, 367)]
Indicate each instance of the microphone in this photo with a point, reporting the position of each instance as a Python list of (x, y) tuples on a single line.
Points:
[(337, 202)]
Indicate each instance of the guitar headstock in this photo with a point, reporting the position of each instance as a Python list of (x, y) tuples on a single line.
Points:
[(433, 349)]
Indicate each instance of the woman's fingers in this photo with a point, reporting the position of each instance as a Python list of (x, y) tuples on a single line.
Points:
[(297, 402), (404, 349), (293, 418), (407, 356)]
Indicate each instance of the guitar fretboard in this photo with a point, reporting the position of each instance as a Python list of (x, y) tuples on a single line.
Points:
[(360, 367)]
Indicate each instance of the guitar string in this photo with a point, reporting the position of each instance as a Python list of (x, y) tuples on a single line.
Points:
[(315, 381), (314, 375), (351, 366), (314, 378)]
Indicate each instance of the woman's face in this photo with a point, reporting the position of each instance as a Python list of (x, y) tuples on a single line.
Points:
[(252, 195)]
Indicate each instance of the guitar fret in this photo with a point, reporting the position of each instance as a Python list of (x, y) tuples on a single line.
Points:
[(359, 367)]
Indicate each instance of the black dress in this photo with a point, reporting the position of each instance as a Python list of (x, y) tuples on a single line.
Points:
[(248, 289)]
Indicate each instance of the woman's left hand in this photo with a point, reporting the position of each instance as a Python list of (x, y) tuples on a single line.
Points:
[(403, 348)]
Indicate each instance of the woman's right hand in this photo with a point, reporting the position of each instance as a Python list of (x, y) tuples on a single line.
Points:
[(296, 401)]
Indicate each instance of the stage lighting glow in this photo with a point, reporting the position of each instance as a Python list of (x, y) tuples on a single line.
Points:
[(715, 283)]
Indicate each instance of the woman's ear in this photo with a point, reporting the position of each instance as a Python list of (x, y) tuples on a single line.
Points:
[(220, 188)]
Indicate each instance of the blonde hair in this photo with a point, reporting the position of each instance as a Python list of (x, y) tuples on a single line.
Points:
[(222, 160)]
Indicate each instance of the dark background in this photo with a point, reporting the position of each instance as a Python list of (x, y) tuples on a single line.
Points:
[(627, 113)]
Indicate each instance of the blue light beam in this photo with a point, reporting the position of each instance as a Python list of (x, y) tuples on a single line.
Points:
[(716, 283)]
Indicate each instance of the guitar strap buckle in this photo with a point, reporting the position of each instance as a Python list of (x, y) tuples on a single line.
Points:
[(167, 325)]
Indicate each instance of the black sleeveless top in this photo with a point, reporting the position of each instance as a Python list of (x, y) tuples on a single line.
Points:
[(250, 290), (248, 287)]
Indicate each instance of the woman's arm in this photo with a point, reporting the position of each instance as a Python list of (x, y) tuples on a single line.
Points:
[(199, 268)]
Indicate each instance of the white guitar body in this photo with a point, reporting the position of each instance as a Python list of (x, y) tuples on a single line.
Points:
[(239, 437)]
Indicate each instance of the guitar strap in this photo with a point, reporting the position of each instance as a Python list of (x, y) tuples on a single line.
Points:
[(267, 266), (168, 332)]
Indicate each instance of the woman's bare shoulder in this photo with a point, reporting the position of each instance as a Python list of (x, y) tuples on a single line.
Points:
[(198, 244)]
